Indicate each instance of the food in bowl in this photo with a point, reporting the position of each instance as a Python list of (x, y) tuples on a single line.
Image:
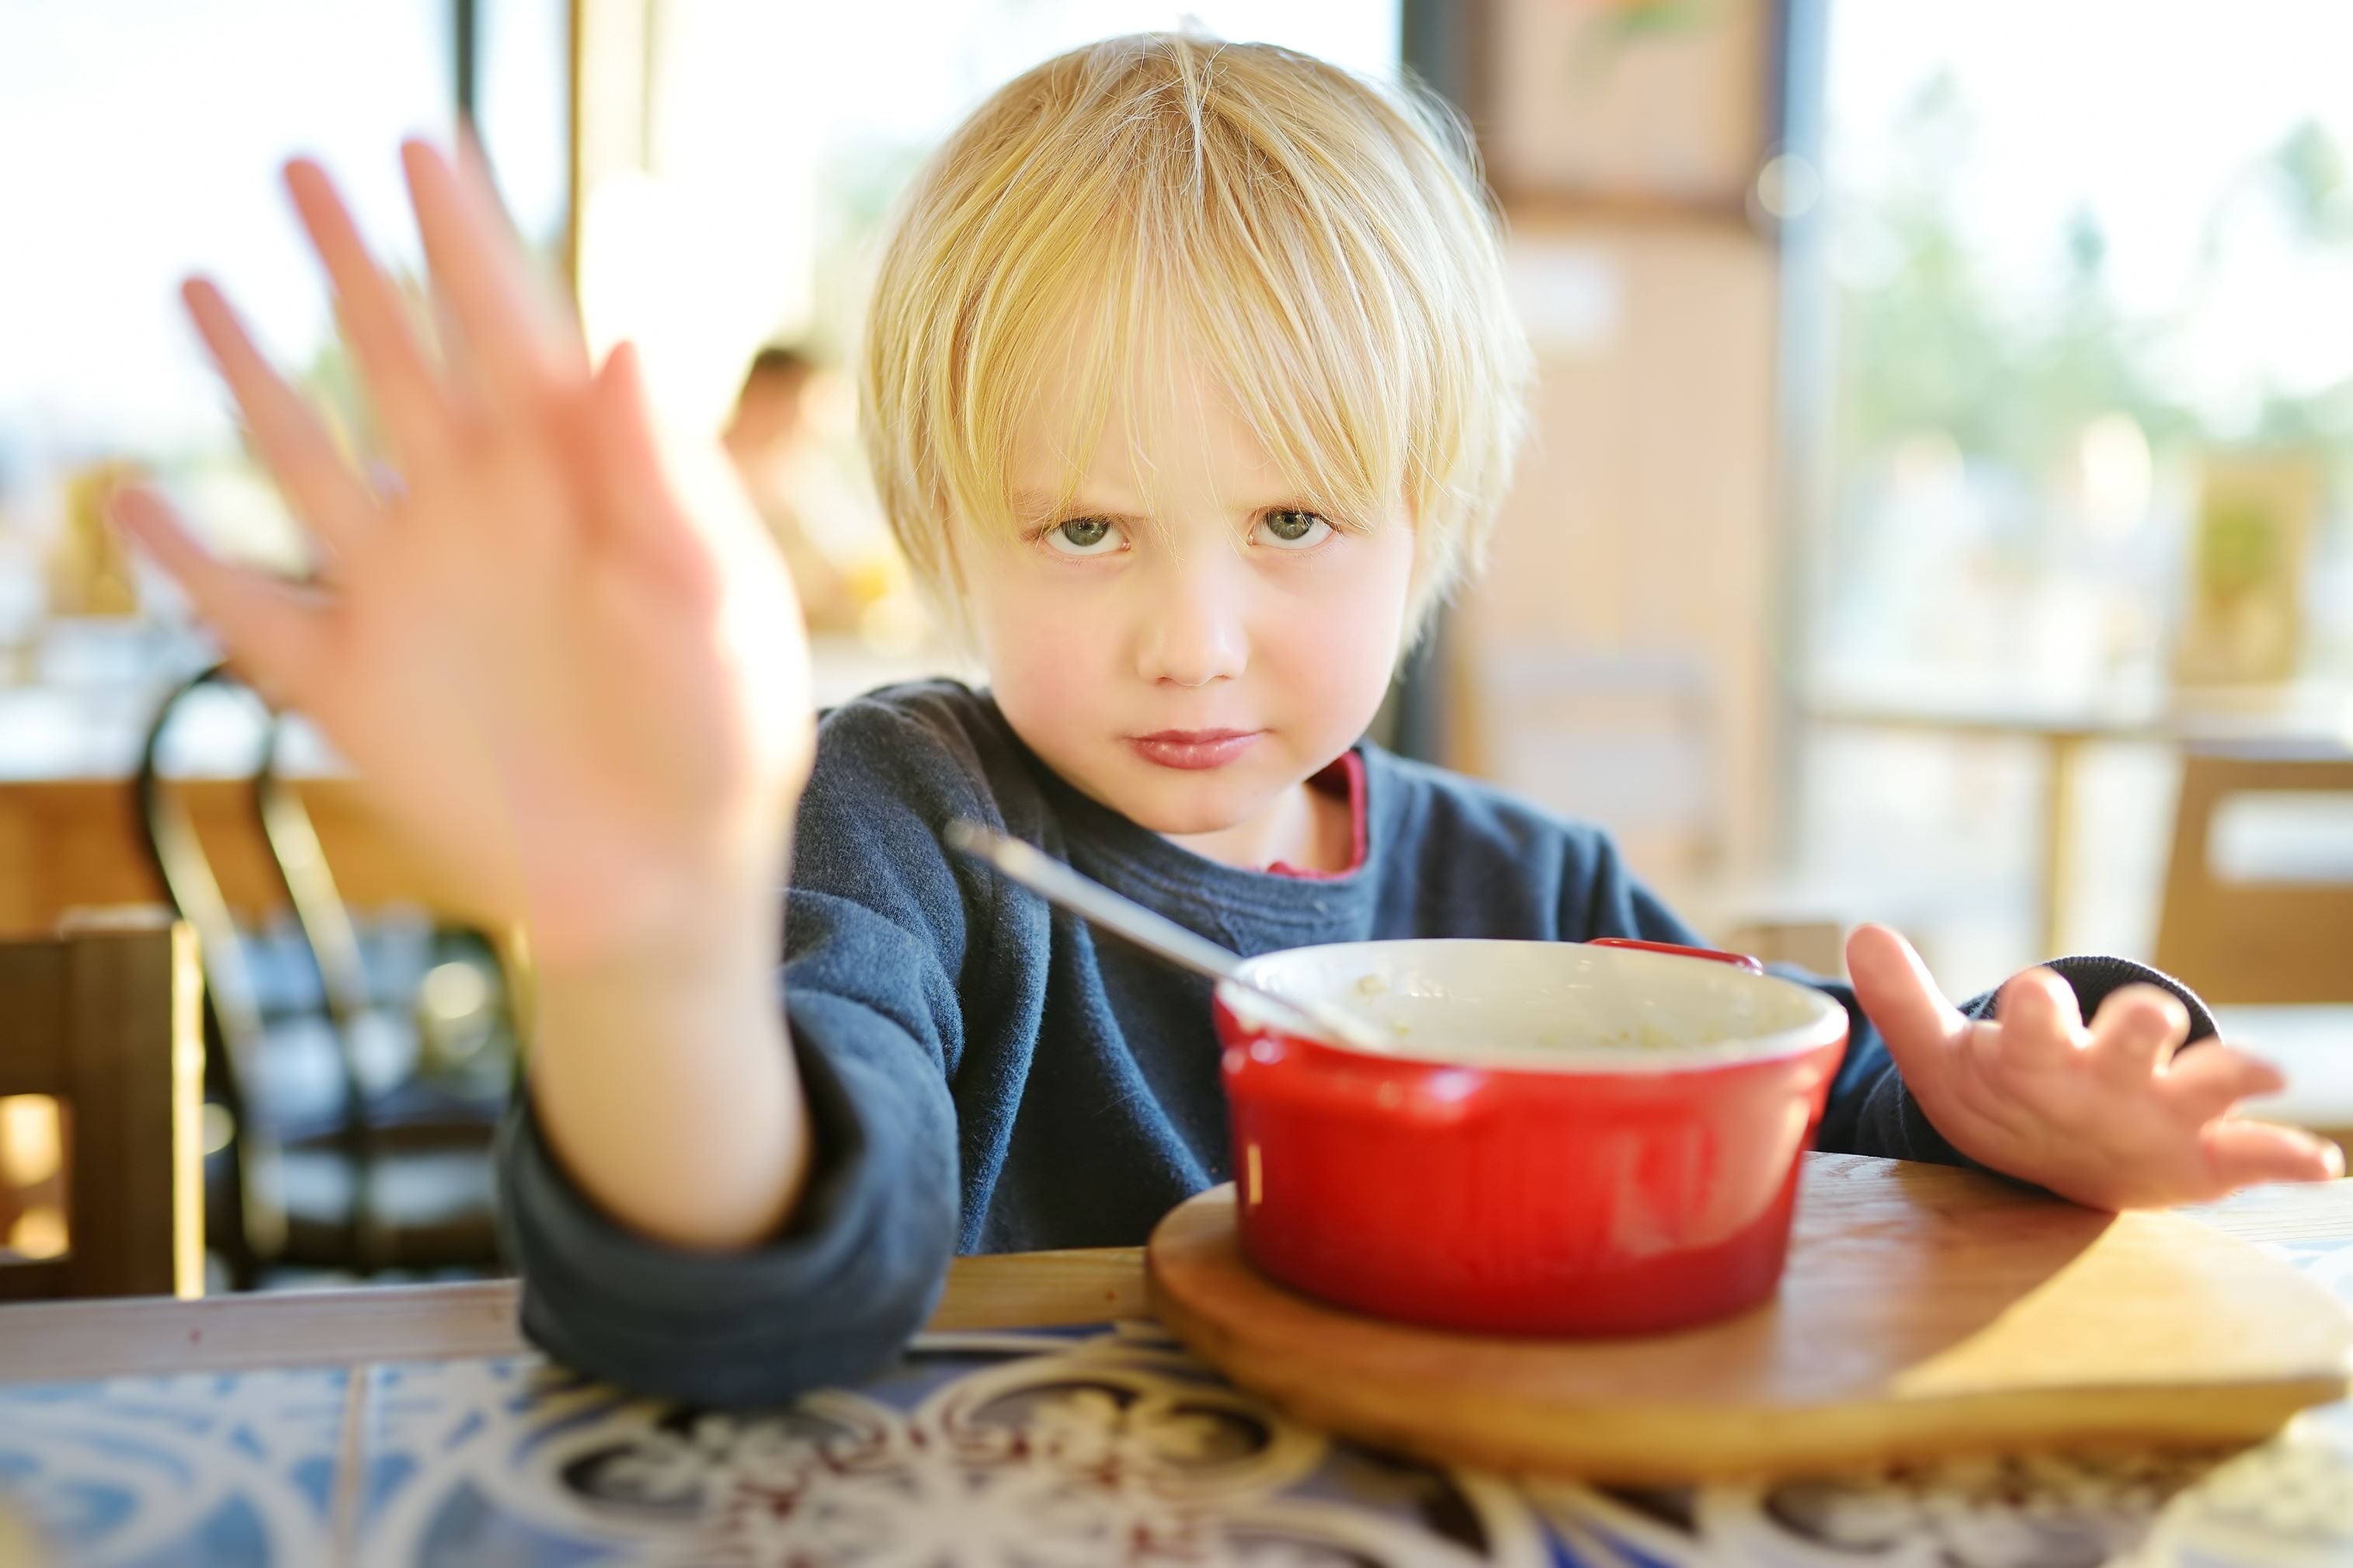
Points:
[(1561, 1138)]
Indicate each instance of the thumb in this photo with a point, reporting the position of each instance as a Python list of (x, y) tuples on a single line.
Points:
[(1898, 993)]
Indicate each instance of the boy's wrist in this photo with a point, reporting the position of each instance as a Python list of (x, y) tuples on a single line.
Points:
[(709, 933), (664, 1081)]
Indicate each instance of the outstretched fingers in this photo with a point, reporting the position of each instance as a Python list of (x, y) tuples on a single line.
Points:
[(550, 311), (402, 384), (2243, 1153), (311, 474), (274, 631), (2136, 1032), (514, 335), (2040, 1019), (2210, 1078)]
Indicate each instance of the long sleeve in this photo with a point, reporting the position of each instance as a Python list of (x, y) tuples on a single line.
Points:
[(876, 929)]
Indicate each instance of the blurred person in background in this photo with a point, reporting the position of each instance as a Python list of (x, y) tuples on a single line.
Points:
[(769, 439)]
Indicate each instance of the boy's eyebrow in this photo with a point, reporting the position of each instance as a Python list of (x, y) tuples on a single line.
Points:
[(1039, 506), (1033, 507)]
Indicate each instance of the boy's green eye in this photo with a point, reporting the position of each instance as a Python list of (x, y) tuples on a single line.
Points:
[(1083, 536), (1290, 528)]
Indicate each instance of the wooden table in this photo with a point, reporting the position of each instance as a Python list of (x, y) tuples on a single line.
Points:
[(409, 1425), (52, 1341), (2066, 730)]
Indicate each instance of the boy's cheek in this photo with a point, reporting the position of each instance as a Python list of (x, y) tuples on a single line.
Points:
[(1342, 644), (1337, 663), (1062, 691), (1048, 661)]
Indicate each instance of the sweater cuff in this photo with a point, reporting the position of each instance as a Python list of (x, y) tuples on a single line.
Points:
[(833, 1297), (2093, 978)]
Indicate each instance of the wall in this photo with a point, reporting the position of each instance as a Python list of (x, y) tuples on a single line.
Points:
[(1615, 662)]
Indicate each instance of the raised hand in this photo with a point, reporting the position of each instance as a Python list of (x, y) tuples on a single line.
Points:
[(562, 653), (2105, 1115)]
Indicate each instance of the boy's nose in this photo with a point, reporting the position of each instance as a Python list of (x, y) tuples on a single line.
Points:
[(1193, 632)]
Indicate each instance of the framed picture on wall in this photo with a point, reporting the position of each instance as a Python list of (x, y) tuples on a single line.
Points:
[(1626, 103), (2250, 546)]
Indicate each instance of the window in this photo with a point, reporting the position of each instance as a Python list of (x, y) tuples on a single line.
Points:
[(2079, 255), (2086, 268)]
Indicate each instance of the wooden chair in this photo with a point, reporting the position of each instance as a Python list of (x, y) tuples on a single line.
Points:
[(359, 1173), (104, 1019), (2239, 941)]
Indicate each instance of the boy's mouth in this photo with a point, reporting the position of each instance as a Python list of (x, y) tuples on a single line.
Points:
[(1193, 749)]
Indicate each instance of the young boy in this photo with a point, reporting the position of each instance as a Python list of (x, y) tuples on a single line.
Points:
[(1191, 386)]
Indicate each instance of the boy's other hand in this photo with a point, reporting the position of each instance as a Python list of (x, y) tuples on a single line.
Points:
[(2103, 1114), (562, 653)]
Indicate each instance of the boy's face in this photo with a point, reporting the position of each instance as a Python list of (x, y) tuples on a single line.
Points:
[(1190, 654)]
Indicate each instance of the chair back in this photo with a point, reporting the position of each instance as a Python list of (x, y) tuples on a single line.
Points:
[(390, 1167), (2283, 935), (104, 1019)]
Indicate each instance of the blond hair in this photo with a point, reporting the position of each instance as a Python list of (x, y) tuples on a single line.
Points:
[(1323, 242)]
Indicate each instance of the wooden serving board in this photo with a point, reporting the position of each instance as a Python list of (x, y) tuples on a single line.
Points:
[(1927, 1312)]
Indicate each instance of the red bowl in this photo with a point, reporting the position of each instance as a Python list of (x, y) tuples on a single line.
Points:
[(1567, 1138)]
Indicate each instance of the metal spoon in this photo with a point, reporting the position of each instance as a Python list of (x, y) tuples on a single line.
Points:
[(1092, 902)]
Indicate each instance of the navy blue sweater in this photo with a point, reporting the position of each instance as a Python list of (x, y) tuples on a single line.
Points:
[(984, 1075)]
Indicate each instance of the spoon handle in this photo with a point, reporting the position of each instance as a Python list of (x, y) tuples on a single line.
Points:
[(1099, 906)]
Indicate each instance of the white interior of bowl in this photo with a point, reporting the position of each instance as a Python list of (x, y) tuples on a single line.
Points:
[(1552, 1006)]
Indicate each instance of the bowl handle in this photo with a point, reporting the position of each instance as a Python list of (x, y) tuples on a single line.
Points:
[(1430, 1095), (1737, 960)]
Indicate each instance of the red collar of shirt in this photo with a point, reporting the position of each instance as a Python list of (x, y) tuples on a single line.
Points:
[(1346, 774)]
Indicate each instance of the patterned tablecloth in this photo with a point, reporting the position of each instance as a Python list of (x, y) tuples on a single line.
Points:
[(1057, 1448)]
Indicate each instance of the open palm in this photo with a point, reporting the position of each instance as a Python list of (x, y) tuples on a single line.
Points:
[(563, 654), (2106, 1112)]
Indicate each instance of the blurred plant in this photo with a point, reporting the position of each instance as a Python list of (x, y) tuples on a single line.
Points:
[(1623, 21), (2306, 173), (1928, 343), (1948, 373), (1613, 26), (2240, 547)]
